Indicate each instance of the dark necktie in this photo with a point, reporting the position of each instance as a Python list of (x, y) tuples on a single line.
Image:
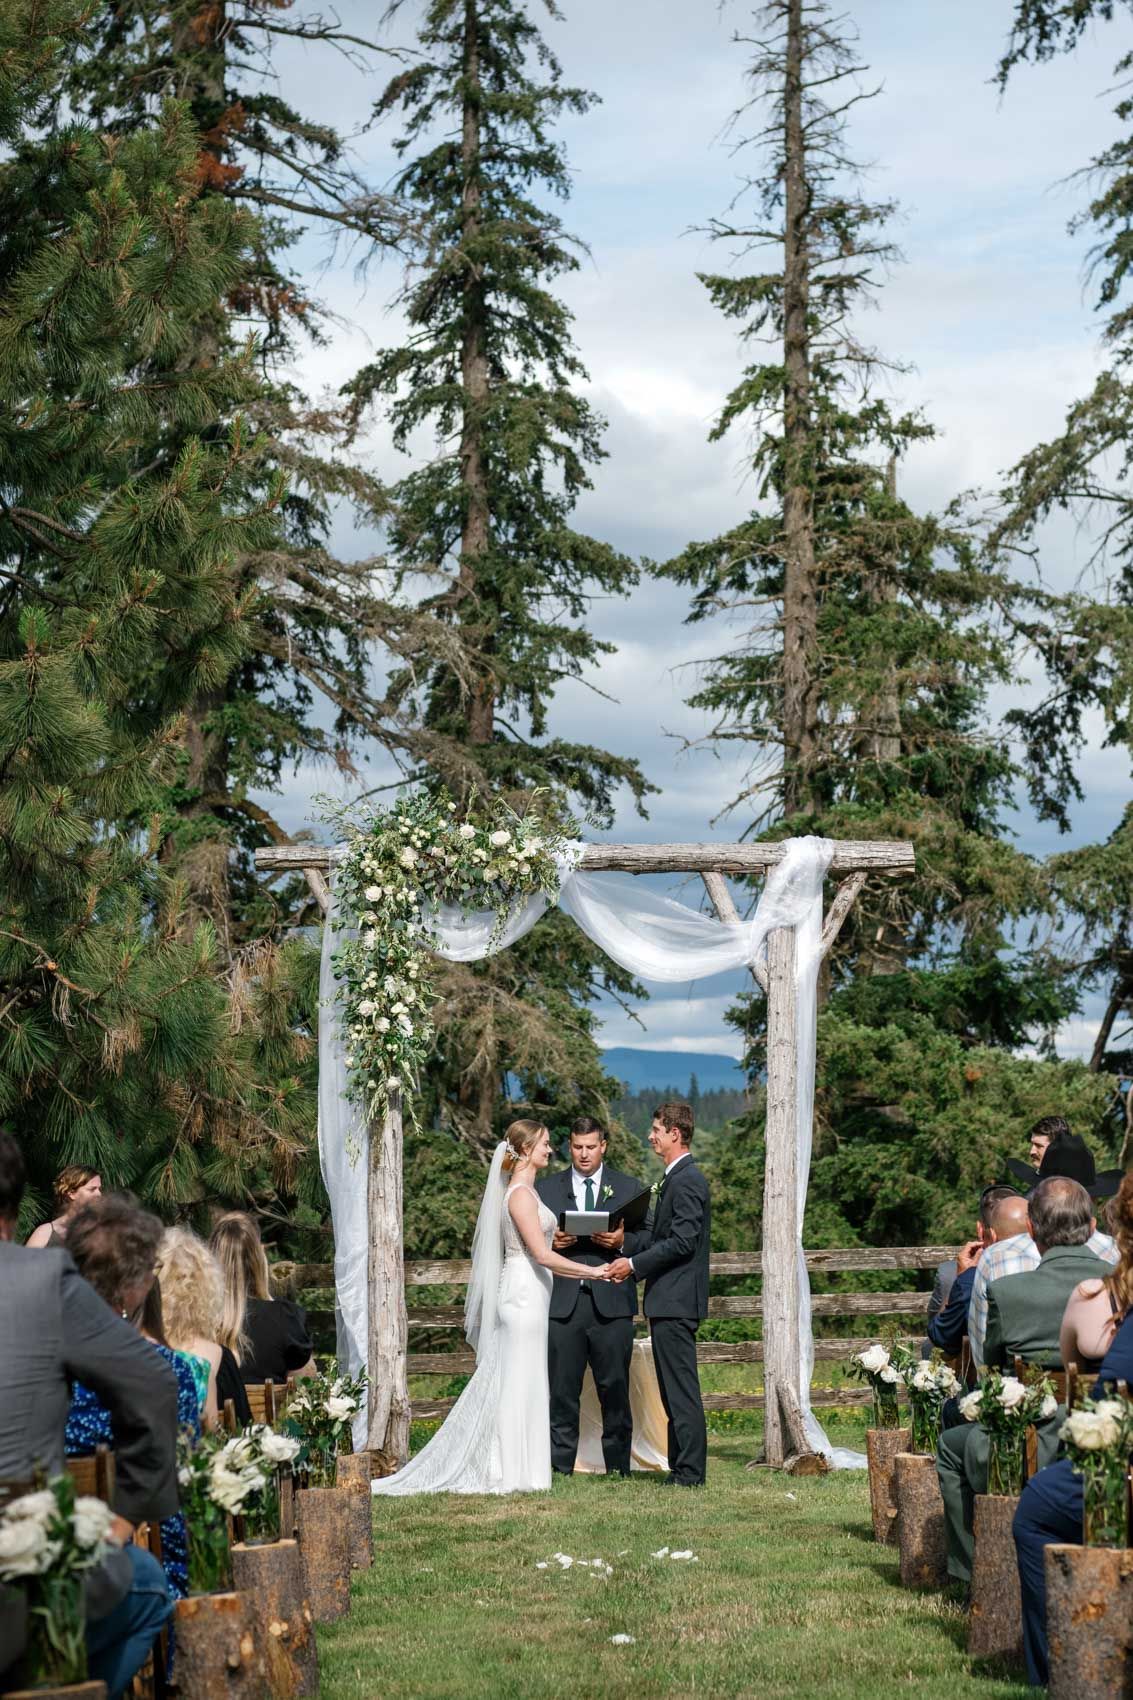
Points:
[(589, 1201)]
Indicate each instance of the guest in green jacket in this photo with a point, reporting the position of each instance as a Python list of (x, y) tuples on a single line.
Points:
[(1024, 1319)]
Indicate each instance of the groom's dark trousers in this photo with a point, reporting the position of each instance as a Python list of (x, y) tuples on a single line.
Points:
[(591, 1324), (675, 1267)]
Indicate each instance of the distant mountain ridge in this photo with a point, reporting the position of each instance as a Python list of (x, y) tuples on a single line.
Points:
[(658, 1071)]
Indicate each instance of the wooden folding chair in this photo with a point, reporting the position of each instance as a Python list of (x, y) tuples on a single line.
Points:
[(94, 1473), (1064, 1384)]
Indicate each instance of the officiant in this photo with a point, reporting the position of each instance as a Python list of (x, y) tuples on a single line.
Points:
[(591, 1323)]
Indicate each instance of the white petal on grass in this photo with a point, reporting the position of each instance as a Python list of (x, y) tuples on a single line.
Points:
[(623, 1640), (664, 1553)]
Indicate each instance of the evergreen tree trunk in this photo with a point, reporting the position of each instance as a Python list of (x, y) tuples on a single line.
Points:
[(800, 605), (476, 531)]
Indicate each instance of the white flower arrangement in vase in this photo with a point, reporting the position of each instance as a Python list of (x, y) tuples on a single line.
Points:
[(48, 1541), (1098, 1438)]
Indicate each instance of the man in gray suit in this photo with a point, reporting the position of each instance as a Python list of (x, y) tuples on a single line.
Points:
[(54, 1329)]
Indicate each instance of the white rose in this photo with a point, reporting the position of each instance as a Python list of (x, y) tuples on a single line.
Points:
[(41, 1505), (230, 1488), (1087, 1431), (382, 1024), (367, 1006), (389, 984), (924, 1379), (91, 1521), (24, 1547), (369, 940), (533, 847), (1012, 1392), (373, 894), (340, 1407), (466, 831), (1115, 1409), (947, 1380), (408, 857), (891, 1375), (410, 995), (873, 1359), (1049, 1405), (185, 1476), (278, 1448), (500, 839), (970, 1406)]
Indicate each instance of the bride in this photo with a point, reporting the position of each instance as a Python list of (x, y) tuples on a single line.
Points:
[(497, 1437)]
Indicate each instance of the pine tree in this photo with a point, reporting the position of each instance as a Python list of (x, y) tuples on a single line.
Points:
[(319, 628), (1084, 640), (867, 643), (489, 367), (117, 1041)]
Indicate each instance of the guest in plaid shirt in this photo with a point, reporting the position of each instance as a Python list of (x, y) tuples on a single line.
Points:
[(1067, 1155)]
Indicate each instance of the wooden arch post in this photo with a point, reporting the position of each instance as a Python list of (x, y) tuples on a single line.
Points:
[(388, 1321)]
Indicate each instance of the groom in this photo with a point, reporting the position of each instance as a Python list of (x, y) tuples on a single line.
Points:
[(591, 1322), (675, 1266)]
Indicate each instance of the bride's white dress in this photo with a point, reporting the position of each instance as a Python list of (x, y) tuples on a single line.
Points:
[(497, 1437)]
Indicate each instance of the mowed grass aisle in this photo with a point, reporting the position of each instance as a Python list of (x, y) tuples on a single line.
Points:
[(789, 1596)]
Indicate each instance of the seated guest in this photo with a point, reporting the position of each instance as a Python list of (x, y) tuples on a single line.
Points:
[(54, 1329), (1065, 1155), (192, 1302), (1097, 1308), (1003, 1214), (1050, 1513), (114, 1245), (75, 1187), (1024, 1318), (268, 1337)]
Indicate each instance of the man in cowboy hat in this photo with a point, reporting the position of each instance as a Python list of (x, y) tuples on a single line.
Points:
[(1067, 1155)]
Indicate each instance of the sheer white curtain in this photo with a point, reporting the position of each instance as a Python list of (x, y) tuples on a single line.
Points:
[(651, 936)]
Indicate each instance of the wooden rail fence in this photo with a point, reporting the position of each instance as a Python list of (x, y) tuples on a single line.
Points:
[(319, 1278)]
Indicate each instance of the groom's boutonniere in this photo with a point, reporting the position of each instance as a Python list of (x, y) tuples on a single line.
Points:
[(655, 1189), (607, 1192)]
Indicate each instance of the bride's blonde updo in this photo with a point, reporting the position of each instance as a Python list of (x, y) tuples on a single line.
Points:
[(520, 1138)]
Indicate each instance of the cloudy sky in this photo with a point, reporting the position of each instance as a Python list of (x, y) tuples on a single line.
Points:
[(991, 308)]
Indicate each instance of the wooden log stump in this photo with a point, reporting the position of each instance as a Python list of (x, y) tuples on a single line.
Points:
[(354, 1474), (324, 1541), (274, 1579), (920, 1522), (1089, 1622), (219, 1656), (881, 1447), (995, 1626), (75, 1691)]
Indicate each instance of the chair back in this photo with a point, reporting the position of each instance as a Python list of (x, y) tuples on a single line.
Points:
[(1064, 1385), (94, 1473), (261, 1401)]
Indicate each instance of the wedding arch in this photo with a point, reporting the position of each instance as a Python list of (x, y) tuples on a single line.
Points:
[(783, 945)]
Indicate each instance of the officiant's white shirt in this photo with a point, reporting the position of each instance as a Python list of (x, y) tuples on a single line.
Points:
[(579, 1183)]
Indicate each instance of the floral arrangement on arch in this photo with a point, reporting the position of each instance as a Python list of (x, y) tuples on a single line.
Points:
[(399, 864)]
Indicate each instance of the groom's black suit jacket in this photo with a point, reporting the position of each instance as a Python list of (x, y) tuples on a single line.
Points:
[(610, 1300), (674, 1259)]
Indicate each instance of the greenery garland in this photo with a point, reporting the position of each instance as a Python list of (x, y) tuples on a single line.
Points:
[(397, 866)]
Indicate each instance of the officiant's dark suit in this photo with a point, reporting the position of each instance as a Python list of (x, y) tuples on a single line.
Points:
[(591, 1323), (674, 1265)]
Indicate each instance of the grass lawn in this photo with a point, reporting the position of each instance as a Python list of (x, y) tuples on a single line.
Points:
[(789, 1596)]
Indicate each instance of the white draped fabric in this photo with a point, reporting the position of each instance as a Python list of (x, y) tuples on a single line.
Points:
[(651, 936)]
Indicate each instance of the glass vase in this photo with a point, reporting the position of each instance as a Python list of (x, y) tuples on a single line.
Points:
[(322, 1463), (1005, 1463), (210, 1558), (261, 1515), (56, 1655), (1105, 1505), (885, 1413), (926, 1427)]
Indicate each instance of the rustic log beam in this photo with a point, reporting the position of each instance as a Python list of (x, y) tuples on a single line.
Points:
[(780, 1302), (881, 856), (287, 1278), (721, 899), (844, 899)]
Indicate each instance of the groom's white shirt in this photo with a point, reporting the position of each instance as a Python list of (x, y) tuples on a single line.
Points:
[(579, 1184)]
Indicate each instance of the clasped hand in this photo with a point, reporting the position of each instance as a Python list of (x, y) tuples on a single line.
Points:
[(619, 1270)]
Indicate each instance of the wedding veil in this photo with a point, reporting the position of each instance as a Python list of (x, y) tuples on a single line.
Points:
[(482, 1299)]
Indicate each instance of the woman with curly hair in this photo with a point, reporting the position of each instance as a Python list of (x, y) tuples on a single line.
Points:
[(75, 1187), (192, 1304), (1097, 1308)]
